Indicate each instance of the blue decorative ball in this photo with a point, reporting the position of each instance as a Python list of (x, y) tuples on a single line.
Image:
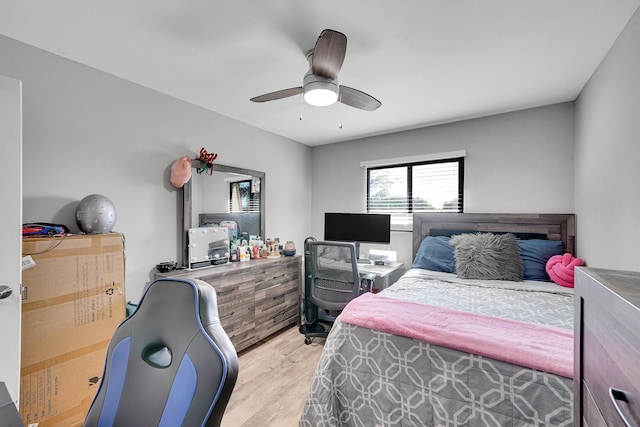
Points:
[(96, 214)]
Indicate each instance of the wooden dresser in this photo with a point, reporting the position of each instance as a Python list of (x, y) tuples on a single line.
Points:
[(255, 298), (607, 347)]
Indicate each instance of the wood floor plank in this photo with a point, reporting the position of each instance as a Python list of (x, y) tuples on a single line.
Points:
[(273, 381)]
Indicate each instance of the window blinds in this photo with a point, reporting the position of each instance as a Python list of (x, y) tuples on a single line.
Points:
[(423, 186)]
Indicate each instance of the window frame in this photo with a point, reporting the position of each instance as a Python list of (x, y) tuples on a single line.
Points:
[(410, 175), (253, 196)]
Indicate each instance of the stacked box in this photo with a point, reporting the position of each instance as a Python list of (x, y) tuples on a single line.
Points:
[(72, 302)]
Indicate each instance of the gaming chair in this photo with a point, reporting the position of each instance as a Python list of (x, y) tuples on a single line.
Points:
[(168, 364)]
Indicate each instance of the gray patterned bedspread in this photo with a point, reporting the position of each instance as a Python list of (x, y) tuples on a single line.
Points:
[(369, 378)]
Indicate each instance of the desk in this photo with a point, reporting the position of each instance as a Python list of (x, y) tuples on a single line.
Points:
[(385, 274)]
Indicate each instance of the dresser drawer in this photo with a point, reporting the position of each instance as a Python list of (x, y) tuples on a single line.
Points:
[(591, 416), (236, 307), (610, 355), (255, 298), (285, 316), (276, 307), (273, 275)]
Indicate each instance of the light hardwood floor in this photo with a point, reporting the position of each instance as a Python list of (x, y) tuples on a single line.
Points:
[(273, 381)]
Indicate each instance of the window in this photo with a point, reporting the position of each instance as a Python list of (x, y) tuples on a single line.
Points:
[(244, 196), (422, 186)]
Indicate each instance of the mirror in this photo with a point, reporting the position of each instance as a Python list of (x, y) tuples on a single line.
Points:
[(227, 194)]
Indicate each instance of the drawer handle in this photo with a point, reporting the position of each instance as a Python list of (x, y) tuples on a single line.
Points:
[(618, 395), (228, 291), (281, 313)]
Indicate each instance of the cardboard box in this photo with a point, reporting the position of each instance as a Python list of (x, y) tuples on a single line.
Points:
[(72, 302), (58, 392)]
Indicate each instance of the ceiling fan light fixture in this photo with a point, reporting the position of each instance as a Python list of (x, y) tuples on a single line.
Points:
[(321, 93), (320, 83)]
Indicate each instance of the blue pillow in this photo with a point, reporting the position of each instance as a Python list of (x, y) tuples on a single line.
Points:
[(535, 254), (436, 254)]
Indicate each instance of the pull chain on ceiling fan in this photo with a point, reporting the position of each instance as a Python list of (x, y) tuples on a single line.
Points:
[(320, 84)]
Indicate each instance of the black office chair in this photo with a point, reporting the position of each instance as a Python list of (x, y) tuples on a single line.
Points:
[(168, 364), (331, 281)]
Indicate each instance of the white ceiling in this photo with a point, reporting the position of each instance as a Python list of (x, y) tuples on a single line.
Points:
[(428, 61)]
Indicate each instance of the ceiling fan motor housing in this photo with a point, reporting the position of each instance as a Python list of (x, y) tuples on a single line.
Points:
[(318, 90)]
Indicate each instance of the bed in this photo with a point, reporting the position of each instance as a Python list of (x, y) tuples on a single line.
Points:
[(435, 349)]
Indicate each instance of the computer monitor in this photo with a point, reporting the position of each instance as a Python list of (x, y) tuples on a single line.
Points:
[(357, 228)]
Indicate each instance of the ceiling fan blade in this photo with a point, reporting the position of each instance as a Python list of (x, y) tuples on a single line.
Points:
[(279, 94), (357, 99), (328, 54)]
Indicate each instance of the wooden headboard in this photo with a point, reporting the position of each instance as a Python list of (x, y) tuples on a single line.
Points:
[(553, 226)]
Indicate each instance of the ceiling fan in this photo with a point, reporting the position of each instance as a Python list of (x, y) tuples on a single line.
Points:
[(320, 84)]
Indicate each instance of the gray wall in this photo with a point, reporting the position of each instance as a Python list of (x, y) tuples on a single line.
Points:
[(88, 132), (607, 153), (518, 162)]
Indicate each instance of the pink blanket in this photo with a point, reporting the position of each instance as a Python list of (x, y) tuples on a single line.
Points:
[(545, 348)]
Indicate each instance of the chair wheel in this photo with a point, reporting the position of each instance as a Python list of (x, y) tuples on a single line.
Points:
[(307, 340)]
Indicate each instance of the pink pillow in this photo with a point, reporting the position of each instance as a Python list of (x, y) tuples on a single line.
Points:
[(560, 269)]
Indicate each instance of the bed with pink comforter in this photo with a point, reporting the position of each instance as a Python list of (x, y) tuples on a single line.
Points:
[(436, 350)]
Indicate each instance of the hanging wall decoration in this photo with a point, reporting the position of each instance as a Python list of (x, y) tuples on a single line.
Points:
[(180, 172), (207, 160)]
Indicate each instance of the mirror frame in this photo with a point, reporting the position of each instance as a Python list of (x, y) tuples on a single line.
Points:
[(187, 189)]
